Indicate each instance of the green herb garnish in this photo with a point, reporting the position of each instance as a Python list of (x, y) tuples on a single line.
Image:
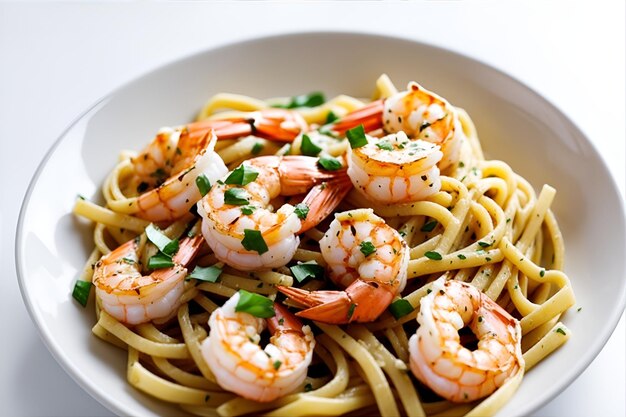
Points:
[(367, 248), (305, 100), (236, 196), (209, 273), (301, 210), (81, 291), (356, 137), (435, 256), (308, 147), (159, 261), (400, 307), (307, 270), (203, 184), (166, 245), (257, 148), (385, 145), (253, 241), (255, 304), (247, 210), (560, 330), (429, 227), (329, 163), (242, 175)]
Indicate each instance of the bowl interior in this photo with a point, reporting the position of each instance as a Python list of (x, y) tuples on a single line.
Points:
[(514, 123)]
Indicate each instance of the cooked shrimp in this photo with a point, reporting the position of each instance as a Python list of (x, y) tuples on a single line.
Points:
[(394, 169), (133, 298), (239, 223), (240, 365), (166, 172), (439, 360), (365, 255), (273, 124), (420, 113)]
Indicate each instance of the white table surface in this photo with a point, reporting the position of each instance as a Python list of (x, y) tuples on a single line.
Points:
[(56, 59)]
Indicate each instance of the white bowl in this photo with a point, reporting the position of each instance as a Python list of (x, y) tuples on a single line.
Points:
[(515, 124)]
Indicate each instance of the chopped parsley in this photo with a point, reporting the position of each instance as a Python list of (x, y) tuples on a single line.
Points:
[(159, 261), (203, 184), (331, 117), (313, 99), (253, 241), (435, 256), (236, 196), (560, 330), (209, 273), (356, 137), (461, 256), (400, 307), (306, 270), (351, 311), (430, 226), (257, 148), (242, 175), (255, 304), (367, 248), (301, 210), (277, 364), (247, 210), (329, 163), (309, 148)]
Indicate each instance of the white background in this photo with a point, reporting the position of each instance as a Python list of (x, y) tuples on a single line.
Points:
[(56, 59)]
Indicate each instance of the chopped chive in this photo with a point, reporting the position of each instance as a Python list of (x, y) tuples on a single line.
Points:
[(209, 273), (484, 244), (255, 304), (542, 273), (242, 175), (351, 311), (400, 307), (247, 210), (461, 256), (367, 248), (435, 256), (253, 241), (356, 137), (306, 270), (329, 163), (308, 147), (236, 196), (81, 291), (277, 364), (560, 330)]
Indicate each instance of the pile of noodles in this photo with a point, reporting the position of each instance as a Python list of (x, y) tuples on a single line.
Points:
[(358, 369)]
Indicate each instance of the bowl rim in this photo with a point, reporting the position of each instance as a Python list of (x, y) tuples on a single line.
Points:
[(118, 409)]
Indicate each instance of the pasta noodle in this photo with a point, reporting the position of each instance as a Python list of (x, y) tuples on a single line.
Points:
[(486, 226)]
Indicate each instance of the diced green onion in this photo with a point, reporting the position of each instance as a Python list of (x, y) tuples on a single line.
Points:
[(331, 117), (385, 145), (253, 241), (356, 137), (307, 270), (209, 273), (242, 175), (247, 210), (81, 291), (166, 245), (236, 196), (400, 307), (255, 304), (484, 244)]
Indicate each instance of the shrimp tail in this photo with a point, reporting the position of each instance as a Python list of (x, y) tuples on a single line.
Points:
[(284, 320), (323, 199), (188, 249), (370, 116), (361, 302)]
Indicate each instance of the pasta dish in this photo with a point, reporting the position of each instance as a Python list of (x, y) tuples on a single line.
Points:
[(303, 256)]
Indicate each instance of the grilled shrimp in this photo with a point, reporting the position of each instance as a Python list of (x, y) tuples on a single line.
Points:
[(439, 360), (394, 169), (133, 298), (420, 113), (366, 256), (239, 223), (166, 172), (240, 365)]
